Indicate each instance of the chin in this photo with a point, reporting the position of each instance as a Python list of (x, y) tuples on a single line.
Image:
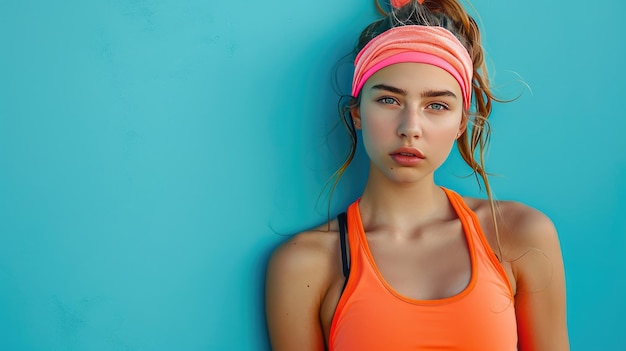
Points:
[(406, 178)]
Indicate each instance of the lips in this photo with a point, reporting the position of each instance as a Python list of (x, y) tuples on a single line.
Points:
[(408, 152), (407, 157)]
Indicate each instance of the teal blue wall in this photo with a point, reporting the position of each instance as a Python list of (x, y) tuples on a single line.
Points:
[(153, 153)]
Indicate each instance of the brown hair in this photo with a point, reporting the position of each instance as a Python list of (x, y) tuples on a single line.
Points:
[(451, 15)]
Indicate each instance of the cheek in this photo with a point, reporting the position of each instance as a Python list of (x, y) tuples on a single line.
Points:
[(450, 128), (374, 122), (376, 134), (449, 133), (443, 135), (376, 126), (372, 133)]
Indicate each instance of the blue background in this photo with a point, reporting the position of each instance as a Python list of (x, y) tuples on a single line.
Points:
[(154, 152)]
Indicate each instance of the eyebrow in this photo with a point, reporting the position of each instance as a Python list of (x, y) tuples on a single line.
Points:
[(426, 94), (389, 88), (438, 93)]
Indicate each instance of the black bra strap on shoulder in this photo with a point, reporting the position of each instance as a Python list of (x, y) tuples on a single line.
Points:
[(343, 228)]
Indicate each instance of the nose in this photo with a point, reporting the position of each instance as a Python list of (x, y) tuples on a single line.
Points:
[(410, 125)]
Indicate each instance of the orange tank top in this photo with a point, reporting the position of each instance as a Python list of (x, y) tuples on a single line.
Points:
[(370, 315)]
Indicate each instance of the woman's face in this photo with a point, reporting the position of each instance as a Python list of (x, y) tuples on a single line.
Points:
[(410, 115)]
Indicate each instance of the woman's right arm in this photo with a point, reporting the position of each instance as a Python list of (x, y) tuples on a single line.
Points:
[(294, 288)]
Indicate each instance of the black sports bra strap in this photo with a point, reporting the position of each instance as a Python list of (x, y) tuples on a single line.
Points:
[(343, 228)]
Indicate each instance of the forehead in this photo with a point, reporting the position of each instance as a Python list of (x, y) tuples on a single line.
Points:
[(414, 76)]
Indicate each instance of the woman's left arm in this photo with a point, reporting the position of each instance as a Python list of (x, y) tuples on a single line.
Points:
[(537, 265)]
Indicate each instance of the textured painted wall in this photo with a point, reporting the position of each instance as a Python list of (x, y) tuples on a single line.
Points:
[(153, 153)]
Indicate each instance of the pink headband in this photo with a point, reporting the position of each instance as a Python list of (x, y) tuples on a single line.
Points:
[(436, 46), (400, 3)]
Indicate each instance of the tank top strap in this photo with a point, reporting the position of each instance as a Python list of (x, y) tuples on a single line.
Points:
[(483, 249), (466, 215), (355, 230)]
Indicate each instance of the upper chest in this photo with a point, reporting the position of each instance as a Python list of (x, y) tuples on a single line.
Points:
[(433, 263)]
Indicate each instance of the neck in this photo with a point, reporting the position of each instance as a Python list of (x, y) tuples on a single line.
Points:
[(401, 205)]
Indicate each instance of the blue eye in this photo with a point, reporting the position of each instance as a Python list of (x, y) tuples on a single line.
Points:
[(438, 107), (387, 100)]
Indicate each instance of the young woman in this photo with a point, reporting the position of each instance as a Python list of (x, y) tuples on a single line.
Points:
[(421, 268)]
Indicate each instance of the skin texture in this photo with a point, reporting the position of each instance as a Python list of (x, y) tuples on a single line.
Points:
[(414, 234)]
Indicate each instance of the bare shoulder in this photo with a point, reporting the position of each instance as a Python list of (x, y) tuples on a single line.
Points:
[(528, 236), (520, 226), (306, 252), (532, 258), (304, 266), (299, 275), (528, 241)]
